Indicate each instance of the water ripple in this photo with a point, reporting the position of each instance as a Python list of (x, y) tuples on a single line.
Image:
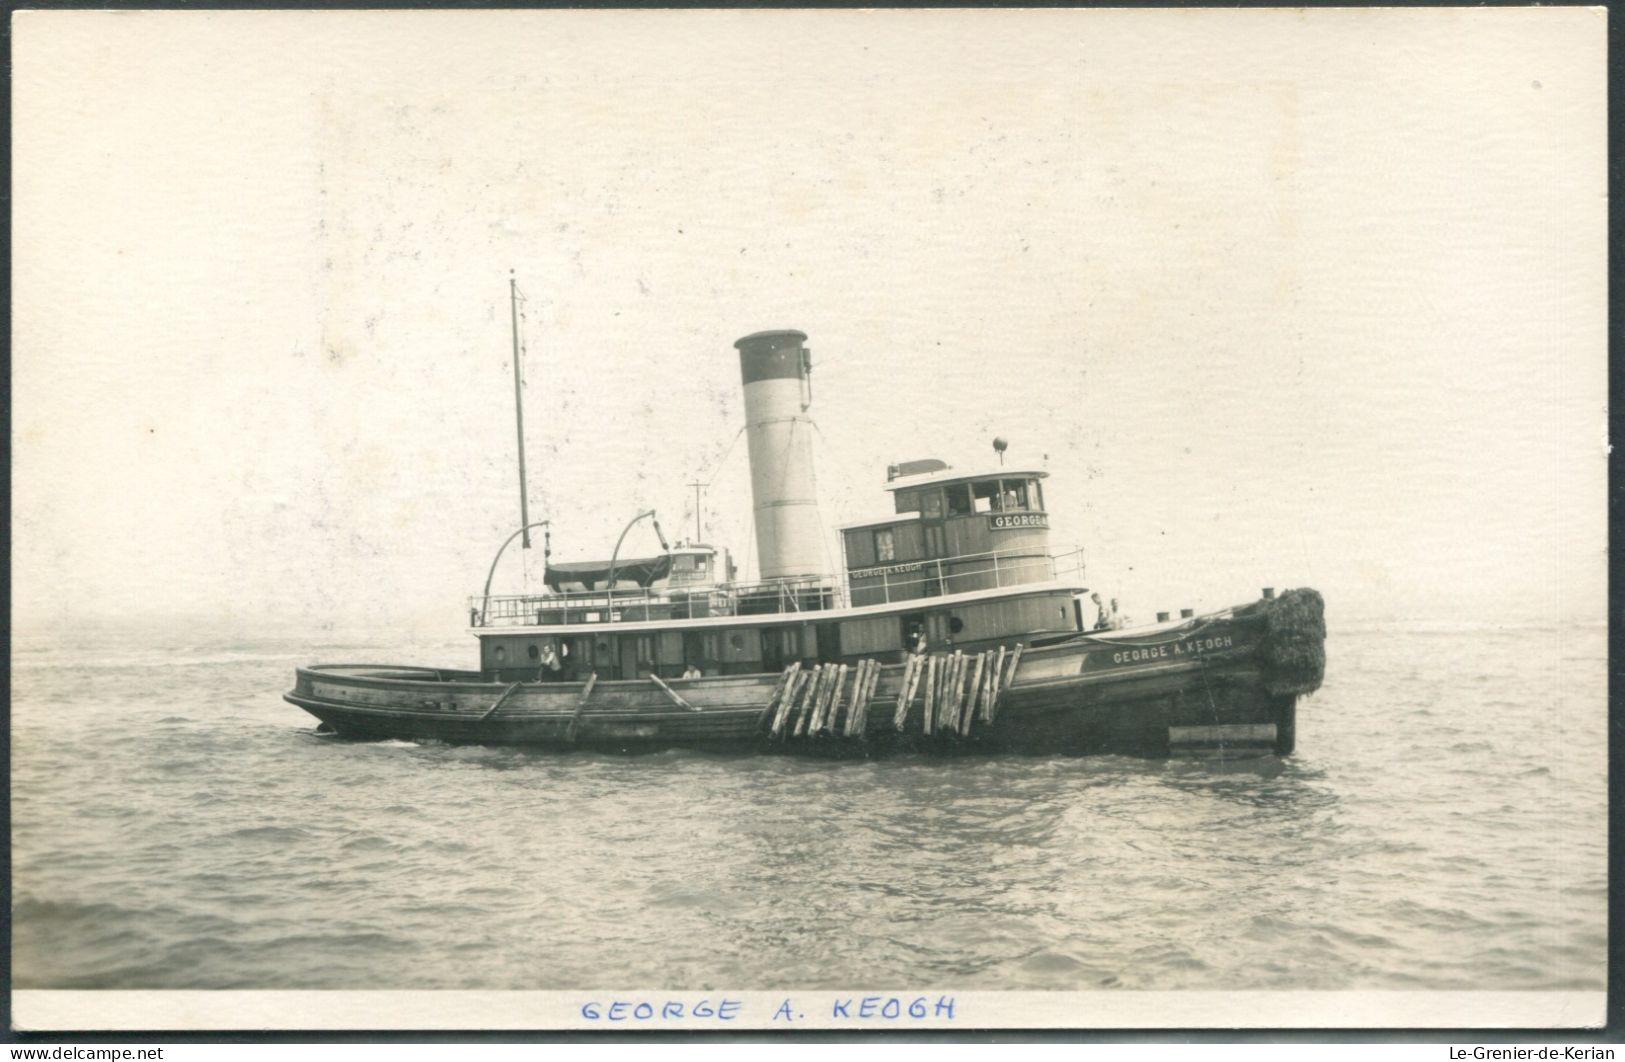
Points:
[(1442, 827)]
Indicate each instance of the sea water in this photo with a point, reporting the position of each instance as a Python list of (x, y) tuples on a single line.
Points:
[(176, 825)]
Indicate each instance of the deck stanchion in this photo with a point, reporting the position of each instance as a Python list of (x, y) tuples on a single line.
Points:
[(994, 677), (581, 707), (915, 685), (489, 712), (846, 701), (671, 693), (832, 676), (858, 722), (1008, 678), (961, 689), (990, 682), (780, 697), (860, 677), (973, 693), (832, 690), (845, 697), (948, 717), (939, 702), (932, 666), (798, 699), (860, 670), (945, 680), (809, 698), (875, 669), (905, 687)]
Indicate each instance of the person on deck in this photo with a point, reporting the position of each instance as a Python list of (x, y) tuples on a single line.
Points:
[(1103, 622), (550, 670), (1119, 620), (693, 672)]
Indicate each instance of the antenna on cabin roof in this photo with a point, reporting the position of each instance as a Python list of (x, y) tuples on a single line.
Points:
[(699, 522), (519, 409)]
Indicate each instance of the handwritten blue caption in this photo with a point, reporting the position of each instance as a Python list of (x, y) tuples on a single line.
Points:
[(851, 1008)]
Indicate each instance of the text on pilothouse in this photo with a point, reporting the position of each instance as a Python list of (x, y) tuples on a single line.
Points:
[(1006, 521), (1192, 645), (886, 569)]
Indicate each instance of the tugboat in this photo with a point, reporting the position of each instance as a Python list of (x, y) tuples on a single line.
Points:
[(954, 627)]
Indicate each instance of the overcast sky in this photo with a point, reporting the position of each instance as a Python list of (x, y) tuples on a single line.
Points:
[(1278, 297)]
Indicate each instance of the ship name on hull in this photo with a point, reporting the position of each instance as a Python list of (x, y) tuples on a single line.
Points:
[(1191, 645)]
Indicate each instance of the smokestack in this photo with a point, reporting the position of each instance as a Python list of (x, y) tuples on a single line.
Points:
[(774, 366)]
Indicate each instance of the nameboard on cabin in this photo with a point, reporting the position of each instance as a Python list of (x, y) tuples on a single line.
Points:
[(1006, 521), (885, 569)]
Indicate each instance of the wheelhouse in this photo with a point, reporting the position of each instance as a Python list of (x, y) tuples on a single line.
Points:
[(964, 562)]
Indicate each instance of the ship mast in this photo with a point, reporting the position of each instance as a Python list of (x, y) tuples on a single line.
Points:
[(519, 409)]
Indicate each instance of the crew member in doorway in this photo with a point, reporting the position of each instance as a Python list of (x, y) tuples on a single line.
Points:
[(551, 669)]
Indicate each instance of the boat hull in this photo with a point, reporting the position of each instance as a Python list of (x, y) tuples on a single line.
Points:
[(1213, 686)]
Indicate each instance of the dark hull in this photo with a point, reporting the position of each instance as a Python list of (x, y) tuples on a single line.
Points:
[(1212, 686)]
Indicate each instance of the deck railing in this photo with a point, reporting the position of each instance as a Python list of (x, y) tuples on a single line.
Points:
[(932, 578)]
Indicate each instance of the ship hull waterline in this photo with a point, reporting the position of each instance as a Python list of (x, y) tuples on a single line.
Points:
[(1202, 688)]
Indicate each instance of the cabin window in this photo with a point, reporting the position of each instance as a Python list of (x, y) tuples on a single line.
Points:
[(959, 502), (646, 649), (908, 501), (955, 624), (987, 496), (709, 647), (885, 546), (1015, 494), (500, 654), (931, 505)]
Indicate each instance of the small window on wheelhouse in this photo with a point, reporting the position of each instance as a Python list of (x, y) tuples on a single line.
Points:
[(959, 501), (987, 496), (1015, 494), (885, 547)]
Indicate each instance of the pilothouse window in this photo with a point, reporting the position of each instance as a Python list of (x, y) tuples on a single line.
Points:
[(885, 548)]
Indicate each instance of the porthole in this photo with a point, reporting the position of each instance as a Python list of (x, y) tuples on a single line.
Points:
[(533, 652), (737, 641), (501, 654), (955, 624)]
